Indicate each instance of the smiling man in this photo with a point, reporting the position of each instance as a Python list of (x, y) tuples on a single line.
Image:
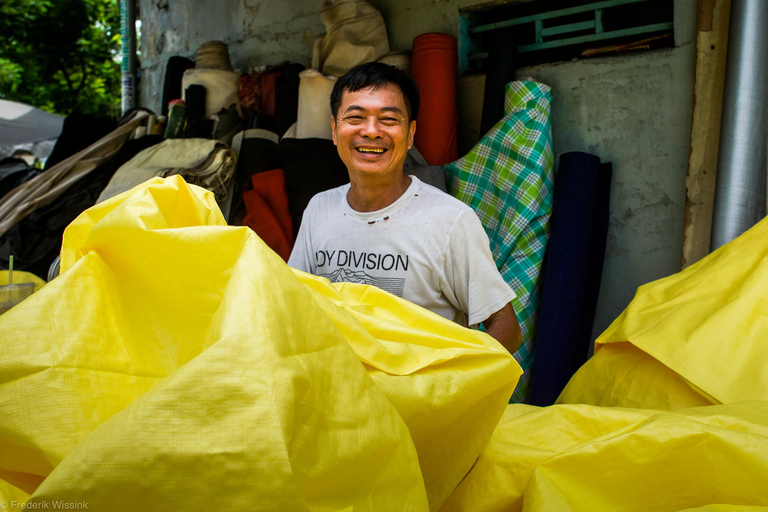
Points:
[(390, 230)]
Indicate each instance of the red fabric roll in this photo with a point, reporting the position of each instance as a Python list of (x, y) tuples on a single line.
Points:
[(268, 214), (434, 70)]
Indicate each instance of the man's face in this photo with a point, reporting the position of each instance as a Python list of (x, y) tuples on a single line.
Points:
[(372, 132)]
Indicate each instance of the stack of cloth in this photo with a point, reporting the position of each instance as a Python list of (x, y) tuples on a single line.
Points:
[(203, 162), (177, 361), (35, 213)]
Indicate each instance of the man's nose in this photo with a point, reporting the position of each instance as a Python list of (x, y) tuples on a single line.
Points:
[(371, 127)]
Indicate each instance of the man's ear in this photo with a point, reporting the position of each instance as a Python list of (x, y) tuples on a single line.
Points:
[(333, 129), (411, 133)]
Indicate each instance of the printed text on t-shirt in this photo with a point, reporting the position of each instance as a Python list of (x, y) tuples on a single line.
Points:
[(365, 260)]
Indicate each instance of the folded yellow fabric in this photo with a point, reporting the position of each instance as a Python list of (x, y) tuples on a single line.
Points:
[(12, 495), (707, 325), (581, 457), (449, 386), (177, 364)]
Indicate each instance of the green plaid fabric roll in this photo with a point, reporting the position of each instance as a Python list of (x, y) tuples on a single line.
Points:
[(508, 180)]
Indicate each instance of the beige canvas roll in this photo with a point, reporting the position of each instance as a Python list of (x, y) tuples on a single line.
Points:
[(221, 88), (314, 116)]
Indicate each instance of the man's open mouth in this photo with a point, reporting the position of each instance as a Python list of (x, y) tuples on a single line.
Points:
[(371, 150)]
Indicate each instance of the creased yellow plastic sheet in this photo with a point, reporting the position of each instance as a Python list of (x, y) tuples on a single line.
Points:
[(178, 364), (587, 458), (700, 333)]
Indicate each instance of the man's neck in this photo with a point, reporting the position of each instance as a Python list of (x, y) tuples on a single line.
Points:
[(370, 195)]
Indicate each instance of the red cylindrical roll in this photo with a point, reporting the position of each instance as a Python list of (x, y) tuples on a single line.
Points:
[(434, 70)]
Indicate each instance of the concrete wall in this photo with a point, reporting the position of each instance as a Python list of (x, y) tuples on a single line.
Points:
[(633, 110), (258, 32)]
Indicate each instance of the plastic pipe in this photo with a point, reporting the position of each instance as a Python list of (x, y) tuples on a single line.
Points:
[(740, 193)]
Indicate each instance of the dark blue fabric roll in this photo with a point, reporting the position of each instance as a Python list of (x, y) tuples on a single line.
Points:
[(572, 272), (174, 72)]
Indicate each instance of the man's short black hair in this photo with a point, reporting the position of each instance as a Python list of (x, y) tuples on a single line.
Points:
[(376, 74)]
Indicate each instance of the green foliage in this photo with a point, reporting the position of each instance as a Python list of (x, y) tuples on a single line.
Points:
[(61, 55)]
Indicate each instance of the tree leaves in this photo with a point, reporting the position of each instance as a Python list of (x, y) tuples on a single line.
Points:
[(61, 56)]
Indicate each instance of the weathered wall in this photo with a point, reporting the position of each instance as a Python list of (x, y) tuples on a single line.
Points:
[(633, 110), (258, 32)]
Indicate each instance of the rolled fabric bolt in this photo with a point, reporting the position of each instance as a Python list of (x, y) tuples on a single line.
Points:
[(434, 71), (222, 88), (314, 116)]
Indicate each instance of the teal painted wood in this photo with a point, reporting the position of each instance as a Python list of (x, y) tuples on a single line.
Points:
[(658, 27), (567, 29), (553, 14), (598, 21)]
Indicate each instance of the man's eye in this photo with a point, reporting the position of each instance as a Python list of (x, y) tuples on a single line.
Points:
[(389, 120)]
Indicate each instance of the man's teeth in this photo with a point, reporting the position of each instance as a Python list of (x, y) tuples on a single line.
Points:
[(367, 150)]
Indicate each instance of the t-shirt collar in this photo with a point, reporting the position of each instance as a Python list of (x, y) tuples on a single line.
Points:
[(412, 189)]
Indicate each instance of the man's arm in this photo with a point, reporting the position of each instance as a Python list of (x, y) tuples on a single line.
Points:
[(503, 326)]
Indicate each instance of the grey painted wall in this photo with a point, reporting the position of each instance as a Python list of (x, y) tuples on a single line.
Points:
[(633, 110)]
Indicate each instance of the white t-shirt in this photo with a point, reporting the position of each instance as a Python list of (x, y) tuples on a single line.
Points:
[(427, 247)]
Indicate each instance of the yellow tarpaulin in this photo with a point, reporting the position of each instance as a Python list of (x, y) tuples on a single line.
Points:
[(587, 458), (178, 364), (694, 338)]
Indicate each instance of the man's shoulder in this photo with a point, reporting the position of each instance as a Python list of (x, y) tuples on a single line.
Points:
[(434, 198), (328, 198)]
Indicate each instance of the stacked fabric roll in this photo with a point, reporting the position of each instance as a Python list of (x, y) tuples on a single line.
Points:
[(213, 71), (434, 71), (314, 115), (574, 266)]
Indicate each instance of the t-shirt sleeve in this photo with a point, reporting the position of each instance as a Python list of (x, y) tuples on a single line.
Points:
[(301, 255), (476, 282)]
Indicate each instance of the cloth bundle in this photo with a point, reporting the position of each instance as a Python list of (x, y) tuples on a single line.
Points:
[(204, 162), (507, 178), (178, 361), (311, 166), (355, 34), (14, 172), (268, 214), (35, 242), (44, 188)]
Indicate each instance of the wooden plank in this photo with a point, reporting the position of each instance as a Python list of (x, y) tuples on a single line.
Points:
[(711, 46)]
